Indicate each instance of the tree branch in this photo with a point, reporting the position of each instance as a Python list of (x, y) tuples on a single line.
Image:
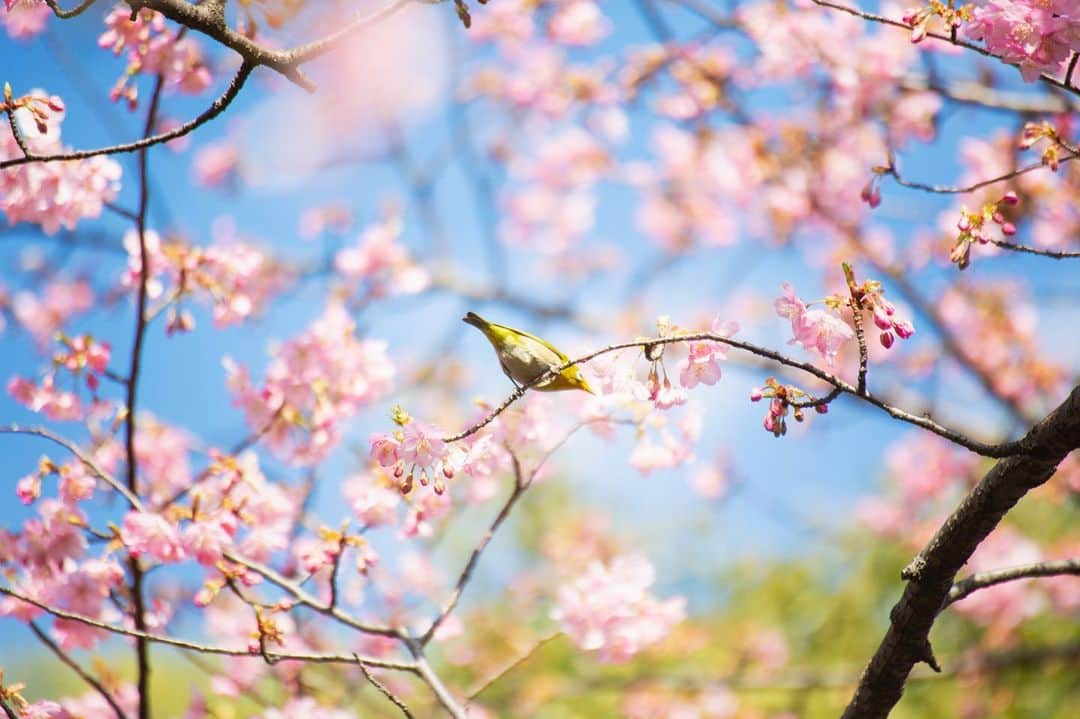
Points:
[(83, 674), (982, 580), (930, 575), (1052, 254), (872, 17), (385, 691), (215, 109), (73, 12), (209, 648), (840, 386), (286, 62)]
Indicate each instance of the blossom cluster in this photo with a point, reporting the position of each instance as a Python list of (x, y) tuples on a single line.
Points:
[(50, 194), (610, 610), (81, 356), (313, 384), (1036, 35), (236, 277), (381, 261), (153, 48), (24, 18)]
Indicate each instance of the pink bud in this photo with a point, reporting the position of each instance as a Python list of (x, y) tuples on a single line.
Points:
[(1008, 229), (998, 218), (904, 329), (881, 318), (887, 339), (964, 224), (770, 422), (1010, 198), (756, 394), (821, 408), (776, 408), (870, 194)]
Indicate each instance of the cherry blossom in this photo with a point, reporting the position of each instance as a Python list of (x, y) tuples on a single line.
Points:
[(24, 18), (381, 261), (815, 330), (610, 611), (152, 534), (53, 194), (313, 383), (154, 48), (1036, 36)]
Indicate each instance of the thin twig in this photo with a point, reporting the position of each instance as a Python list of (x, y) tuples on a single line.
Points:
[(83, 674), (209, 648), (1052, 254), (982, 580), (1003, 449), (138, 600), (965, 189), (385, 691), (73, 12), (490, 681), (872, 17), (215, 109)]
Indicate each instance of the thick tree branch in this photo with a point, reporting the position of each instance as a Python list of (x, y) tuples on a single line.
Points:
[(982, 580), (286, 62), (930, 575)]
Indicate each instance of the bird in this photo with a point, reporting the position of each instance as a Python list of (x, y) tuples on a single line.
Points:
[(524, 357)]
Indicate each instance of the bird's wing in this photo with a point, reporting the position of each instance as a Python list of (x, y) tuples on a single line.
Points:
[(562, 358)]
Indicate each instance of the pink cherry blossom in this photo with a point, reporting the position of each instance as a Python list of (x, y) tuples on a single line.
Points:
[(578, 22), (216, 164), (700, 366), (24, 18), (48, 311), (373, 498), (146, 533), (206, 538), (382, 260), (43, 397), (1037, 36), (314, 382), (154, 48), (52, 194), (815, 330), (609, 609)]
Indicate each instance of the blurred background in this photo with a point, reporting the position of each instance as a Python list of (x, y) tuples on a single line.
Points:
[(525, 170)]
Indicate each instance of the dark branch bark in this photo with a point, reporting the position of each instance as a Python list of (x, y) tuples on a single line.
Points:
[(930, 576)]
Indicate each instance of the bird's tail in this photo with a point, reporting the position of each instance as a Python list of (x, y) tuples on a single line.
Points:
[(475, 320)]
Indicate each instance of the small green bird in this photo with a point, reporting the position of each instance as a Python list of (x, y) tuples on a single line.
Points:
[(524, 357)]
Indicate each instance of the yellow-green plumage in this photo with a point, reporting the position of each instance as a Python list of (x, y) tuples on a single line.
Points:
[(524, 357)]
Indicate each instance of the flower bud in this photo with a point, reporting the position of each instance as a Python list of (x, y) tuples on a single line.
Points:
[(887, 339)]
